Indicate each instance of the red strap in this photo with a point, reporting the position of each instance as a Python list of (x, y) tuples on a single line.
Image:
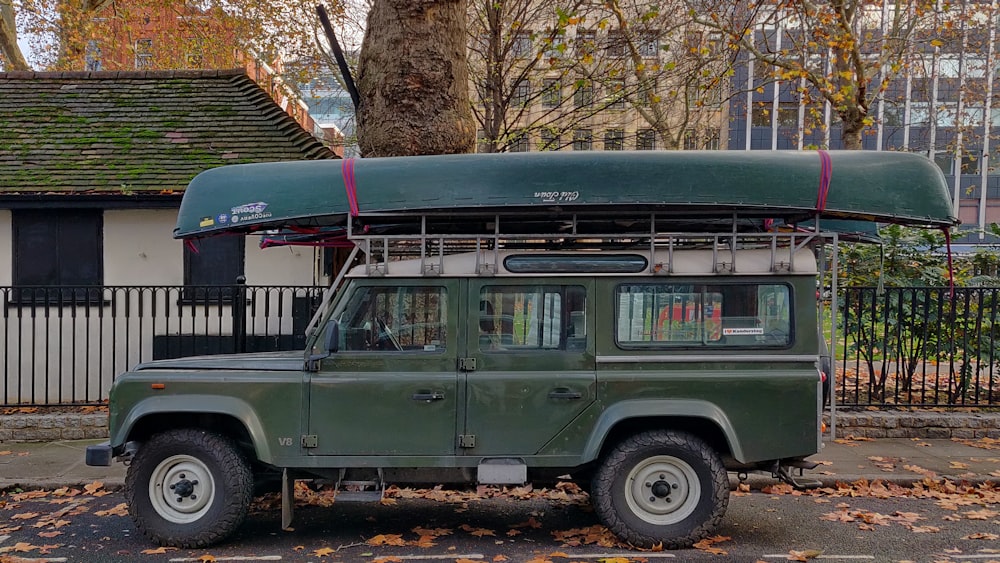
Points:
[(189, 243), (825, 173), (951, 267), (347, 169)]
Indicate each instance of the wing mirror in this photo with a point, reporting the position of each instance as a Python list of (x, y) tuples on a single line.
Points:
[(331, 341)]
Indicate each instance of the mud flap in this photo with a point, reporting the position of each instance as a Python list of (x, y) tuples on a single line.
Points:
[(287, 499)]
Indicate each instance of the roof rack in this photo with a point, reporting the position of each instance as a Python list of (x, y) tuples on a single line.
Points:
[(430, 243)]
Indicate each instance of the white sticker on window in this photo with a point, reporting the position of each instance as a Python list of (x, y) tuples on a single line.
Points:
[(742, 331)]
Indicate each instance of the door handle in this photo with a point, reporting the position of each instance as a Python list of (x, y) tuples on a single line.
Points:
[(428, 396), (564, 393)]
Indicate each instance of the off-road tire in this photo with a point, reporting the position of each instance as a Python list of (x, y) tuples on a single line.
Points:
[(188, 454), (630, 489)]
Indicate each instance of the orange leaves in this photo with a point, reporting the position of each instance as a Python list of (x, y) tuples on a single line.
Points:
[(478, 532), (387, 539), (24, 516), (591, 535), (804, 555), (120, 510), (323, 552), (158, 550), (708, 545)]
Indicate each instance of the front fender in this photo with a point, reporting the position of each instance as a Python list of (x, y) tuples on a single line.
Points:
[(659, 408), (196, 404)]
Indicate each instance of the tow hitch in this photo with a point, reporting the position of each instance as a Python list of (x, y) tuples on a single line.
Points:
[(782, 469)]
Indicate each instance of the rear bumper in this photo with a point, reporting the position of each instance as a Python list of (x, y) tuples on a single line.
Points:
[(99, 455)]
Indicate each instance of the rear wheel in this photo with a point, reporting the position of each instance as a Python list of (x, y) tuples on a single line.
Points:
[(188, 488), (661, 487)]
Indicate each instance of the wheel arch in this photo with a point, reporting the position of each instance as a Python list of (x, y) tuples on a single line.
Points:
[(227, 416), (700, 418)]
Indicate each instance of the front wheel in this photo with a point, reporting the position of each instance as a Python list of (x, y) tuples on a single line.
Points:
[(661, 488), (188, 488)]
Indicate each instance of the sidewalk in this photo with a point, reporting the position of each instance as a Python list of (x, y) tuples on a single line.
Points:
[(899, 460)]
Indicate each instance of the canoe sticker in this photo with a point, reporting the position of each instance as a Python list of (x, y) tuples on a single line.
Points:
[(206, 222), (552, 197), (249, 212)]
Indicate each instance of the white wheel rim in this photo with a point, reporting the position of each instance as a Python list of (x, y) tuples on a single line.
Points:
[(181, 489), (662, 490)]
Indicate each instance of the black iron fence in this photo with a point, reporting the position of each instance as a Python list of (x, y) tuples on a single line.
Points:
[(919, 346), (64, 345)]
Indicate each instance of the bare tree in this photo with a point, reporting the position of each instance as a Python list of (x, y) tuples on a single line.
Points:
[(413, 80), (846, 52)]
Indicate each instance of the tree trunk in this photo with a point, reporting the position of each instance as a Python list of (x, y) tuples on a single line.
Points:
[(9, 48), (413, 80)]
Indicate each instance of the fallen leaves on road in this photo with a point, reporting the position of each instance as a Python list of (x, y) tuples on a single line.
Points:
[(805, 555), (982, 536), (120, 510), (708, 545)]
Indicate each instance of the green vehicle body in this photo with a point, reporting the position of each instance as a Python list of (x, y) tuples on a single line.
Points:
[(756, 405)]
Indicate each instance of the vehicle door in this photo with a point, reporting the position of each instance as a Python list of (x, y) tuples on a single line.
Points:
[(391, 388), (532, 368)]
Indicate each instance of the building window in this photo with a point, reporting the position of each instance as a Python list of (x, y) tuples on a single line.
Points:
[(616, 44), (519, 142), (690, 140), (521, 44), (614, 140), (645, 140), (712, 140), (551, 92), (195, 52), (649, 45), (144, 53), (583, 97), (788, 114), (93, 56), (218, 262), (583, 139), (58, 247), (585, 40), (616, 94), (549, 140), (761, 115), (522, 91)]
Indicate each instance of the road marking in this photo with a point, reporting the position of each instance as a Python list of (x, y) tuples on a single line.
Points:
[(46, 560), (4, 538), (854, 557), (629, 556), (970, 556), (233, 558)]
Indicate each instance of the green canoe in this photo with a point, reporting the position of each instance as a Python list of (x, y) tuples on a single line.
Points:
[(687, 189)]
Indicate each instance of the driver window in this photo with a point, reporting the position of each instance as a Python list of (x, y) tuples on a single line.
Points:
[(395, 319)]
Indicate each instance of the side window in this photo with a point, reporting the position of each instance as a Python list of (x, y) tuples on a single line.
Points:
[(518, 318), (400, 319), (667, 314)]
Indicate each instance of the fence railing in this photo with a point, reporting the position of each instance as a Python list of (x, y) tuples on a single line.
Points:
[(919, 346), (64, 345)]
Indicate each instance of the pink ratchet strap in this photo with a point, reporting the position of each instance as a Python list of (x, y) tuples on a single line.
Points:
[(825, 173)]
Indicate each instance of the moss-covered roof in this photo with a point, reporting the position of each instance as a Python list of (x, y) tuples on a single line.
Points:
[(137, 132)]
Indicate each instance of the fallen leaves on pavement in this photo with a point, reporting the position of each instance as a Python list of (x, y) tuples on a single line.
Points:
[(708, 545)]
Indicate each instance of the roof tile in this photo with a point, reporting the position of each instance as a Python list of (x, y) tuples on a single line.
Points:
[(84, 132)]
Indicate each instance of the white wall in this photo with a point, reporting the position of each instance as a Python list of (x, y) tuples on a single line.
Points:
[(6, 248), (139, 248)]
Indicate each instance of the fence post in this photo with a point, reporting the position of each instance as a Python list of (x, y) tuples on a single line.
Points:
[(240, 315)]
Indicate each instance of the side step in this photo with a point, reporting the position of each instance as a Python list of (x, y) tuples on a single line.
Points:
[(359, 491)]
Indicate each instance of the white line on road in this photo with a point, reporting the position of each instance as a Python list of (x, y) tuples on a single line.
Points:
[(46, 560), (4, 538), (855, 557), (431, 557), (629, 556), (233, 558)]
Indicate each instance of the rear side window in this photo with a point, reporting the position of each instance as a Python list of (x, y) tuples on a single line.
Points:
[(655, 315)]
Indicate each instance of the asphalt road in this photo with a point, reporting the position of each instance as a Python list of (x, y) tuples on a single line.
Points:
[(758, 527)]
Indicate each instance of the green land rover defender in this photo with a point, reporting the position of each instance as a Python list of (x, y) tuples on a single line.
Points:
[(640, 322)]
